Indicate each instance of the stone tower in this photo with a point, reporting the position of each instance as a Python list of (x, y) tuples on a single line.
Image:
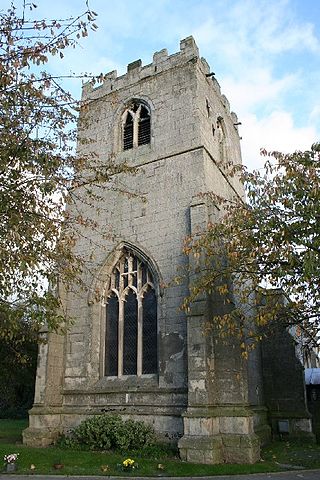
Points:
[(131, 349)]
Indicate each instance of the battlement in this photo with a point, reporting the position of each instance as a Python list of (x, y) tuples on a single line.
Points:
[(136, 71), (162, 62)]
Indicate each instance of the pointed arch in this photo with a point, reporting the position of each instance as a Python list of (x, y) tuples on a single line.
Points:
[(129, 296), (101, 280), (136, 124)]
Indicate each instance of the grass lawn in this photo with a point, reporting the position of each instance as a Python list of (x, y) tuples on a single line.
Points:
[(10, 430), (276, 457)]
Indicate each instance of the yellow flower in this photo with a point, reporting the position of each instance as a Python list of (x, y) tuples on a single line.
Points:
[(128, 462)]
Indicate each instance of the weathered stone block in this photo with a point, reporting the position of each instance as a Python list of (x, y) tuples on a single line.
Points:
[(201, 449), (236, 425), (39, 437)]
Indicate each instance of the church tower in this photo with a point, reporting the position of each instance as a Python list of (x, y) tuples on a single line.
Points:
[(131, 349)]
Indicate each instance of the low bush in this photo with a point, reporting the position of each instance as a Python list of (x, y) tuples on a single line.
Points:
[(106, 432)]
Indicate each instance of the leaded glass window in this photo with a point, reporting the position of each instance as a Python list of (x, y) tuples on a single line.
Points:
[(111, 350), (131, 319)]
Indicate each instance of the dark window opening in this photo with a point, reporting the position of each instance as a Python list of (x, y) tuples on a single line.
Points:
[(128, 133), (126, 265), (111, 346), (144, 273), (134, 280), (144, 127), (137, 126), (135, 264), (130, 337), (117, 279), (149, 335), (131, 284)]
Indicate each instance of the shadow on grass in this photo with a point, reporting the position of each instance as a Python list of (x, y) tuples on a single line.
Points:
[(11, 430)]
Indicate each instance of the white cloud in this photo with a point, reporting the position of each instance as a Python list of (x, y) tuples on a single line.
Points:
[(255, 87), (272, 28), (274, 132), (258, 46), (251, 31), (292, 38), (251, 41), (315, 113)]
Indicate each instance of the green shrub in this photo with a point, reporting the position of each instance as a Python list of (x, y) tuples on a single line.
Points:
[(156, 451), (105, 432)]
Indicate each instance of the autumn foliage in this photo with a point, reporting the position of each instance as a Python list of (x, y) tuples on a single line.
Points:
[(262, 257), (39, 170)]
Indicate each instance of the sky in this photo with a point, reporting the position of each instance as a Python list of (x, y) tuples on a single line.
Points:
[(265, 55)]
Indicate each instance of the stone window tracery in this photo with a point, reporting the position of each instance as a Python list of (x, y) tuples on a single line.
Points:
[(136, 126), (131, 319)]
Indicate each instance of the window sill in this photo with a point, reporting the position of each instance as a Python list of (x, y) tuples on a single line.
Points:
[(134, 153), (127, 382)]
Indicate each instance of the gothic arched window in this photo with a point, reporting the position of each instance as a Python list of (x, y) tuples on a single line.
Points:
[(136, 126), (131, 319)]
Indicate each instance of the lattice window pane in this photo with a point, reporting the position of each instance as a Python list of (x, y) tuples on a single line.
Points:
[(134, 280), (111, 344), (131, 271), (130, 344), (117, 279), (144, 273), (135, 264), (126, 265), (149, 335)]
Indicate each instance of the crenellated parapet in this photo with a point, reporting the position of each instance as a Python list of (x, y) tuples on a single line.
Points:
[(136, 71), (162, 62)]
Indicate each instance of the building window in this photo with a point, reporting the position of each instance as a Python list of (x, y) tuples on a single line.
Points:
[(136, 126), (131, 319), (221, 135)]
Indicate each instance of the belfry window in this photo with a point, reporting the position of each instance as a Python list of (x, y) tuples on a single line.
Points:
[(131, 319), (221, 136), (136, 126)]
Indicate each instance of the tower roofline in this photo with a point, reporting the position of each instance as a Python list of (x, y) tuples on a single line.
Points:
[(162, 62), (136, 71)]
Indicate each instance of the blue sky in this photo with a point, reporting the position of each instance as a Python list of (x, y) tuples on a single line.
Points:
[(266, 56)]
